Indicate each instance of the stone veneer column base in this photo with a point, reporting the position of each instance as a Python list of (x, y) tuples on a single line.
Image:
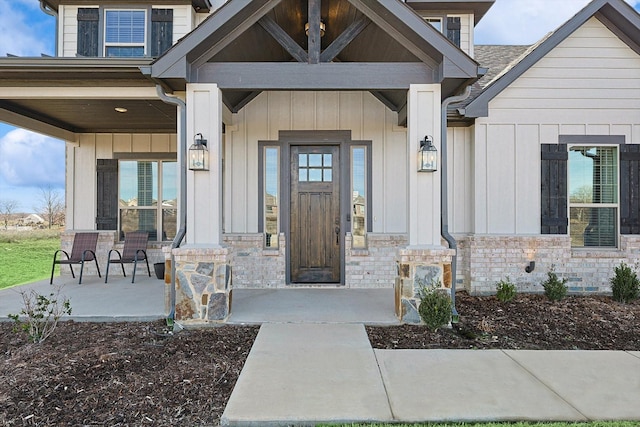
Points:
[(203, 284), (417, 267)]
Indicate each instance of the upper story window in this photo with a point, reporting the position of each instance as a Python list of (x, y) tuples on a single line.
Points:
[(435, 23), (450, 27), (124, 32)]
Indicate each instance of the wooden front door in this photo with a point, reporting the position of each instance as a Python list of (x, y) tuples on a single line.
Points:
[(315, 214)]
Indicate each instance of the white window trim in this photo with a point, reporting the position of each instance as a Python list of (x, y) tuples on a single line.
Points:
[(144, 44)]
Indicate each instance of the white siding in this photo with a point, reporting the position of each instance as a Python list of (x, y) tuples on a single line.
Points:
[(68, 30), (588, 85), (183, 20), (359, 112), (460, 179), (466, 33)]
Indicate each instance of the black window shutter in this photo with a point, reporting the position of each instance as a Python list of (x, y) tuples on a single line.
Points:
[(553, 186), (88, 31), (629, 189), (453, 30), (161, 31), (107, 201)]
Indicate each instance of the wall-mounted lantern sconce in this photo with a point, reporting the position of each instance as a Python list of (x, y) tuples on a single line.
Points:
[(530, 267), (427, 156), (199, 154)]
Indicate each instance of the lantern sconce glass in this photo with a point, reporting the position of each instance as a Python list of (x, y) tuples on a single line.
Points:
[(322, 28), (530, 267), (199, 154), (427, 155)]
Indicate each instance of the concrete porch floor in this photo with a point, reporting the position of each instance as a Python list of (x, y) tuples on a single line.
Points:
[(313, 305), (121, 300)]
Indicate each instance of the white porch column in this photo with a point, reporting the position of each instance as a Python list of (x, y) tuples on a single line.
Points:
[(424, 187), (204, 188)]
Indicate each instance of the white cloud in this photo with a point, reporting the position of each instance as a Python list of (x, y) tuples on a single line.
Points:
[(29, 159), (25, 29), (524, 22)]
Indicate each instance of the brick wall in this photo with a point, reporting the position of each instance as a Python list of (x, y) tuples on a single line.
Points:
[(484, 260), (253, 266), (375, 265)]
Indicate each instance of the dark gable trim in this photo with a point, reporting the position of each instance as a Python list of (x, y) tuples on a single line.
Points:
[(591, 139), (618, 14)]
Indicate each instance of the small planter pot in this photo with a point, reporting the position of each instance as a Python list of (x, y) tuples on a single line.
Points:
[(158, 267)]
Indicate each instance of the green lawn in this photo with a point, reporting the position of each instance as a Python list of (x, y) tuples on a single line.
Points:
[(521, 424), (26, 256)]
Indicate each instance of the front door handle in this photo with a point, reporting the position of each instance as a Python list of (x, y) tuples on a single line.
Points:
[(337, 235)]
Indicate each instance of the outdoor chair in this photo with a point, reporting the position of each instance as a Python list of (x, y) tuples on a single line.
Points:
[(135, 249), (83, 250)]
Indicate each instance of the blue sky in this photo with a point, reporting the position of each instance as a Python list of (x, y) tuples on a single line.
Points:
[(29, 161)]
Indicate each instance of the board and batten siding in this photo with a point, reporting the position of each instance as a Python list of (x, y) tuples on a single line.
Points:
[(359, 112), (466, 33), (81, 158), (460, 179), (183, 22), (588, 85)]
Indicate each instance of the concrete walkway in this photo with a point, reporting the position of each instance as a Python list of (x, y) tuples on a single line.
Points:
[(301, 374), (312, 362)]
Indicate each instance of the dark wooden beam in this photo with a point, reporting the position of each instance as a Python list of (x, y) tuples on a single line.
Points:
[(247, 99), (402, 116), (347, 36), (386, 101), (283, 39), (325, 76), (314, 32)]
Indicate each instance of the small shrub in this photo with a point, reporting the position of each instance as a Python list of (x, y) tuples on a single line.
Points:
[(506, 291), (625, 284), (39, 315), (554, 288), (435, 306)]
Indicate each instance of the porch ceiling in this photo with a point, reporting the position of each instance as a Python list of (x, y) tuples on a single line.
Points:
[(63, 96)]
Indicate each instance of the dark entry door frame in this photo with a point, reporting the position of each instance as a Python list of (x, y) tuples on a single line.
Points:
[(341, 139)]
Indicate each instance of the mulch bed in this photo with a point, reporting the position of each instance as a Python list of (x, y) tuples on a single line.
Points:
[(120, 374)]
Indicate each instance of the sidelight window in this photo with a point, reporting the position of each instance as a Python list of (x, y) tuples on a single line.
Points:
[(359, 196), (270, 166)]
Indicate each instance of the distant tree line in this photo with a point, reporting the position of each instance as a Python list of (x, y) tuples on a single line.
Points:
[(50, 206)]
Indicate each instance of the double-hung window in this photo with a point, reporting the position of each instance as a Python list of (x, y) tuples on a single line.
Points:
[(449, 26), (117, 32), (125, 32), (148, 197), (593, 195)]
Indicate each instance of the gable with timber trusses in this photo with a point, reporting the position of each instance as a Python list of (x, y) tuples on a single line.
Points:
[(249, 46)]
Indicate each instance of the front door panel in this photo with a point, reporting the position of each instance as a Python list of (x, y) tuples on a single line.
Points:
[(315, 214)]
